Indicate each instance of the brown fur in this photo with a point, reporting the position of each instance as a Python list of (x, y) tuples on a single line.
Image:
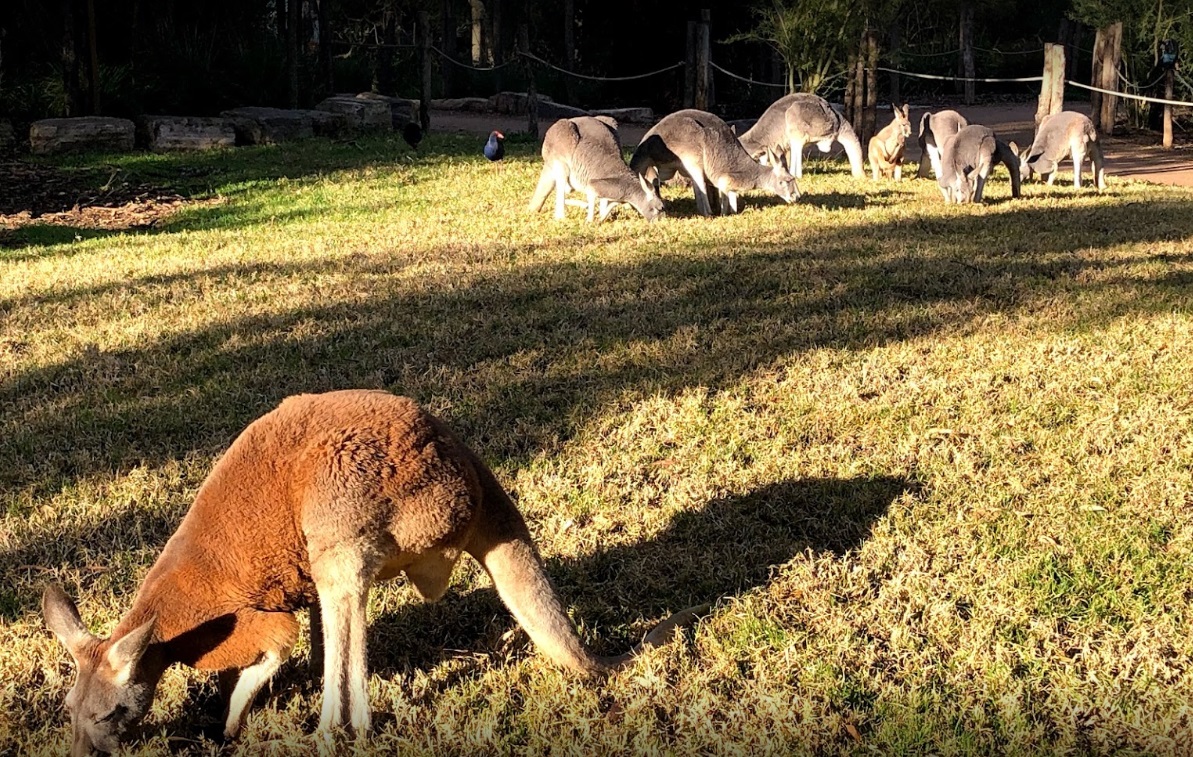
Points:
[(886, 147), (315, 500)]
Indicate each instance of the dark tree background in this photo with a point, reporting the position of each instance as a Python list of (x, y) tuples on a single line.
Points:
[(126, 57)]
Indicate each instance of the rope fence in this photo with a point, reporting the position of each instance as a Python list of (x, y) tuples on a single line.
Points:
[(461, 64), (911, 74), (746, 79)]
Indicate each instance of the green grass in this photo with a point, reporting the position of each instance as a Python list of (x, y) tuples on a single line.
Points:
[(931, 464)]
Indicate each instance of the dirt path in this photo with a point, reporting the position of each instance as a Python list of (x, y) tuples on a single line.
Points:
[(1126, 157)]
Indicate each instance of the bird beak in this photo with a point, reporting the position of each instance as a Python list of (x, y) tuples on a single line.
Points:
[(499, 135)]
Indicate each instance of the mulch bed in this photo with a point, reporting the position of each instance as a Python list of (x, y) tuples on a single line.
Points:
[(36, 194)]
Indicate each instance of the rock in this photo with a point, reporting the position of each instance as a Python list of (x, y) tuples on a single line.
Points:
[(628, 115), (8, 137), (167, 133), (549, 109), (401, 110), (57, 135), (365, 114), (267, 126), (334, 125), (468, 104), (512, 103)]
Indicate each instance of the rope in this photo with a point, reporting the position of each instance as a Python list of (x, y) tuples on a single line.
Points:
[(1136, 87), (957, 78), (468, 65), (742, 78), (548, 64), (1128, 95)]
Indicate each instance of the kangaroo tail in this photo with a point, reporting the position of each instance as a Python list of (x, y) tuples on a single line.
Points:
[(1004, 154), (501, 543), (543, 190), (853, 147)]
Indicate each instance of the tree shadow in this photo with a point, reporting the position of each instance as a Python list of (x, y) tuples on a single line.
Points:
[(707, 319)]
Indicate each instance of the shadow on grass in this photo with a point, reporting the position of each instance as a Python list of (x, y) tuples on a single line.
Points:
[(730, 546), (660, 325)]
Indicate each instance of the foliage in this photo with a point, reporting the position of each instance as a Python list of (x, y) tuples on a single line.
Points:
[(812, 36)]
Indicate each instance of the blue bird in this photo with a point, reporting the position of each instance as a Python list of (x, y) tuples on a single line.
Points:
[(495, 147)]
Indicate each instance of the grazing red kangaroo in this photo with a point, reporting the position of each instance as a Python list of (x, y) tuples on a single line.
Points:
[(314, 501)]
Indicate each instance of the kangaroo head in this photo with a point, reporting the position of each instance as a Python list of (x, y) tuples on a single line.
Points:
[(784, 183), (113, 690), (902, 120), (651, 206)]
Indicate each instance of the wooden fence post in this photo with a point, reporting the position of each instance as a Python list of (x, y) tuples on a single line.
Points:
[(703, 93), (1052, 88), (1169, 75), (424, 95)]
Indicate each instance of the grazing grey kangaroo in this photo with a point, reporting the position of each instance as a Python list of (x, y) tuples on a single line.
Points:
[(703, 148), (584, 154), (965, 162), (794, 121), (886, 147), (1063, 134), (935, 128), (313, 502)]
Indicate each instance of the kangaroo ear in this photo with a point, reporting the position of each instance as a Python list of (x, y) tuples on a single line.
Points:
[(126, 652), (62, 618), (907, 111)]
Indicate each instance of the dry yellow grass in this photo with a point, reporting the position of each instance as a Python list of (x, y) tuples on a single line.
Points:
[(931, 464)]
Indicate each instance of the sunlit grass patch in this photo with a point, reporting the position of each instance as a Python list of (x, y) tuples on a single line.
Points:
[(930, 464)]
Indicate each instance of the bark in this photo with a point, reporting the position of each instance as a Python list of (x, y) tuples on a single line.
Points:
[(967, 62)]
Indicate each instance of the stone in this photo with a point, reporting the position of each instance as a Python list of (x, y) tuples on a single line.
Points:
[(628, 115), (267, 126), (99, 133), (334, 125), (366, 114), (170, 133), (512, 103), (401, 109), (467, 104), (550, 109), (8, 137)]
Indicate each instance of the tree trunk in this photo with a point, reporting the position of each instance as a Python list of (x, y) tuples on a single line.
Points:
[(1052, 88), (569, 47), (325, 60), (1168, 91), (703, 73), (93, 59), (478, 32), (967, 63), (1107, 56), (293, 21), (383, 77), (72, 104), (447, 17), (870, 113)]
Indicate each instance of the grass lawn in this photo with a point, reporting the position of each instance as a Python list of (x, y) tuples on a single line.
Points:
[(931, 464)]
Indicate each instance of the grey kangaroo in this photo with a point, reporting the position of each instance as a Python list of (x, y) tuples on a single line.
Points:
[(313, 503), (703, 148), (965, 163), (796, 120), (584, 154), (935, 128), (1063, 134)]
